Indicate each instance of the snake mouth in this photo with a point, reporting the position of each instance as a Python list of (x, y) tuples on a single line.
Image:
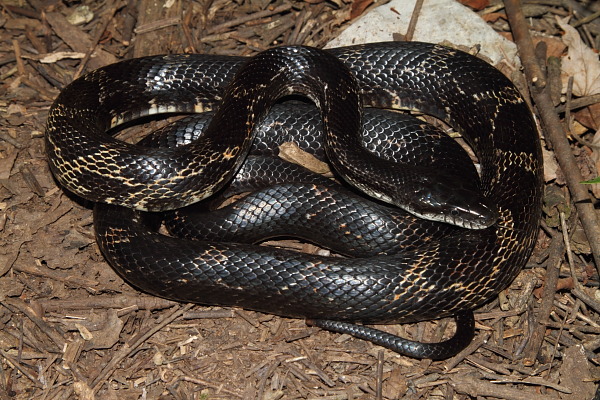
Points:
[(483, 216)]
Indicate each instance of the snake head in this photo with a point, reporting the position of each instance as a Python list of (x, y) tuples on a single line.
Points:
[(445, 198)]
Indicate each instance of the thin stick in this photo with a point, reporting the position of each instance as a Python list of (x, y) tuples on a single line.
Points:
[(520, 32), (20, 63), (20, 368), (88, 54), (580, 103), (250, 17), (552, 272), (203, 382), (412, 25), (379, 384)]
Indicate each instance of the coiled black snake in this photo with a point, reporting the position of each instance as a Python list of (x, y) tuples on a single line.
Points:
[(441, 278)]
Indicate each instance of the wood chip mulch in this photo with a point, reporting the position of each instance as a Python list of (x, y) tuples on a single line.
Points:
[(71, 328)]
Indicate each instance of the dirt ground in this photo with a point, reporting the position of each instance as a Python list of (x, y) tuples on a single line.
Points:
[(71, 328)]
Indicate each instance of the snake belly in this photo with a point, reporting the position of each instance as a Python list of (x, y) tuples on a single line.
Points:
[(441, 278)]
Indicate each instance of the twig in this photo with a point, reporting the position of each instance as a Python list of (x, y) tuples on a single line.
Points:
[(587, 299), (587, 19), (492, 366), (298, 24), (202, 382), (20, 368), (555, 348), (141, 302), (265, 376), (45, 327), (479, 340), (580, 103), (412, 25), (108, 17), (567, 243), (20, 63), (531, 380), (316, 370), (479, 388), (55, 275), (250, 17), (379, 384), (552, 272), (23, 73), (157, 25), (520, 31), (187, 31), (8, 139), (568, 124)]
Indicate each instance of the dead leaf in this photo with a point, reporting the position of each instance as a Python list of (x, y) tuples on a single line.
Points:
[(575, 374), (580, 62), (476, 5), (61, 55), (83, 391), (554, 204), (108, 335), (550, 165), (561, 284), (290, 152), (7, 161), (555, 47), (358, 7), (589, 116), (396, 385), (579, 241), (16, 109)]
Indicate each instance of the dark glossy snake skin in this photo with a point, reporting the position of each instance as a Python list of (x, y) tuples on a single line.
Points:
[(440, 278), (398, 137), (289, 200), (319, 211), (329, 216)]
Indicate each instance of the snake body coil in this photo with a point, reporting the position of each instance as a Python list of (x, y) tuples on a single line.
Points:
[(440, 278)]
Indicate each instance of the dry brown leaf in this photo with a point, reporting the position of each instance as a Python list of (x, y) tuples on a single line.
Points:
[(555, 47), (108, 335), (396, 385), (358, 7), (477, 5), (550, 165), (580, 62), (575, 373), (290, 152), (7, 161), (579, 241), (83, 391), (589, 116), (493, 17), (61, 55)]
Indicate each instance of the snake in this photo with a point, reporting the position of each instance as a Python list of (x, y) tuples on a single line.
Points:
[(287, 199), (450, 276)]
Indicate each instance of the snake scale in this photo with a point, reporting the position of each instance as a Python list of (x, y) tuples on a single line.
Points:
[(445, 277)]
